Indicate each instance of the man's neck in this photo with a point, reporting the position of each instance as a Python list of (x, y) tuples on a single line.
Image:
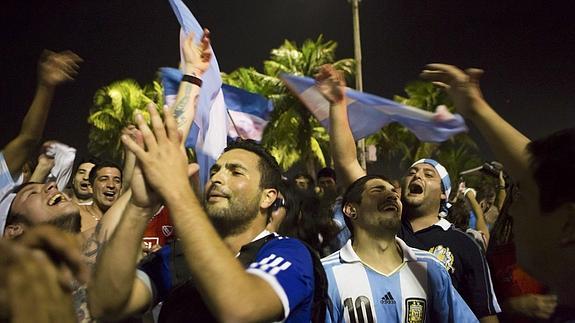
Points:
[(421, 219), (237, 241), (81, 201), (381, 253)]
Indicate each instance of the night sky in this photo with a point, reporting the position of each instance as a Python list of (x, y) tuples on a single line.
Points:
[(526, 48)]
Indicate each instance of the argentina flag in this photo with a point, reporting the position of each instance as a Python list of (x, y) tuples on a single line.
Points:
[(208, 134), (248, 113), (368, 113)]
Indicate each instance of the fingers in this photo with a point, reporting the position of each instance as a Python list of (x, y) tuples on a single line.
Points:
[(474, 74), (147, 134), (60, 246), (157, 124), (171, 127), (193, 169), (133, 146)]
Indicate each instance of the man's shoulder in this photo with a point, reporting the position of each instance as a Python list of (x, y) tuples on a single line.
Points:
[(285, 246)]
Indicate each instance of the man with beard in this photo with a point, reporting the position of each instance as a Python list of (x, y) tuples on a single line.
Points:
[(391, 281), (81, 187), (272, 277), (106, 181), (424, 195)]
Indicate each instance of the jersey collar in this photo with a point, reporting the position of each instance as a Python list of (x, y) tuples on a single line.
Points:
[(347, 253)]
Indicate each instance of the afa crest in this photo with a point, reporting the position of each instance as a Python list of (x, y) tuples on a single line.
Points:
[(415, 310), (444, 255)]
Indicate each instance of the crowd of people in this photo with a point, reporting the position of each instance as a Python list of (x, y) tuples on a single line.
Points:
[(140, 243)]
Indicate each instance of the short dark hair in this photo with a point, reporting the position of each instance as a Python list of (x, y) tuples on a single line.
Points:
[(13, 217), (270, 170), (326, 172), (353, 194), (102, 164), (552, 162)]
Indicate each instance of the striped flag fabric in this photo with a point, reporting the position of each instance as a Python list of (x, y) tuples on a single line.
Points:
[(209, 130), (368, 113), (248, 113)]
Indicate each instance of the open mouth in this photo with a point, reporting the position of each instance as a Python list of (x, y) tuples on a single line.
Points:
[(390, 207), (56, 199), (84, 185), (415, 188), (110, 195)]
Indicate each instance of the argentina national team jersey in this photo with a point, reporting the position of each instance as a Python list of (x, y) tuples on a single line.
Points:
[(419, 290)]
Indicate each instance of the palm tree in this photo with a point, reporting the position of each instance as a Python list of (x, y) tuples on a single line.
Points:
[(293, 135), (114, 107)]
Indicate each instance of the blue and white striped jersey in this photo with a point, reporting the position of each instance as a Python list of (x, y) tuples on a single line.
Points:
[(419, 290)]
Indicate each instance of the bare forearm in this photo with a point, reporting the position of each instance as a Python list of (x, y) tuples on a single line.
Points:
[(500, 199), (111, 286), (481, 225), (343, 145), (507, 143), (18, 150), (128, 171), (40, 173), (184, 108), (218, 275)]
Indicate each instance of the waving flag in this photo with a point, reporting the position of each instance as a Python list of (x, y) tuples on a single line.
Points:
[(208, 134), (368, 113), (248, 112)]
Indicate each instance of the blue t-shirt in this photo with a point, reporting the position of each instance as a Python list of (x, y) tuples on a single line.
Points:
[(284, 263)]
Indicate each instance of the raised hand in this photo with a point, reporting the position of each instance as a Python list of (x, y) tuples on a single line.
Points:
[(462, 86), (197, 56), (56, 68), (37, 273), (164, 160), (331, 83)]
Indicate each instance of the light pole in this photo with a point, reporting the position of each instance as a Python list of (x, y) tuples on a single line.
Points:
[(358, 74)]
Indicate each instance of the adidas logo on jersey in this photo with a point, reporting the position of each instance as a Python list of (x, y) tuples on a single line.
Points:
[(387, 299)]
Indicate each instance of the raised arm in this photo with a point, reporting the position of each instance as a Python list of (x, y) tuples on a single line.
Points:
[(471, 198), (219, 276), (501, 192), (115, 291), (196, 62), (507, 143), (42, 170), (332, 85), (53, 69)]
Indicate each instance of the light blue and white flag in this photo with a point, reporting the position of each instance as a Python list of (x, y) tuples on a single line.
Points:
[(248, 112), (368, 113), (208, 134)]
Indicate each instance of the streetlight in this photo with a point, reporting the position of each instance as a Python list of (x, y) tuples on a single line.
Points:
[(358, 74)]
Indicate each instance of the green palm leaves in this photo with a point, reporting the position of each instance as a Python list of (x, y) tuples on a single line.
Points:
[(293, 135), (114, 107)]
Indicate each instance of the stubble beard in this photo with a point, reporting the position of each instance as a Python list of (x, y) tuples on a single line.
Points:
[(235, 218)]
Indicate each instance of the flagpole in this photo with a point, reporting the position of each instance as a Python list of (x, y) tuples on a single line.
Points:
[(358, 73)]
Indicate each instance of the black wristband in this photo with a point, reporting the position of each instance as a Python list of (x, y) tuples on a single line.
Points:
[(192, 79)]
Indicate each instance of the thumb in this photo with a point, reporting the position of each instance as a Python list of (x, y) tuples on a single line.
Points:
[(474, 74), (193, 169)]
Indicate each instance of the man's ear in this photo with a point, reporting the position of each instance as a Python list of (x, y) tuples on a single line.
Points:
[(13, 231), (350, 211), (269, 196), (568, 232)]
